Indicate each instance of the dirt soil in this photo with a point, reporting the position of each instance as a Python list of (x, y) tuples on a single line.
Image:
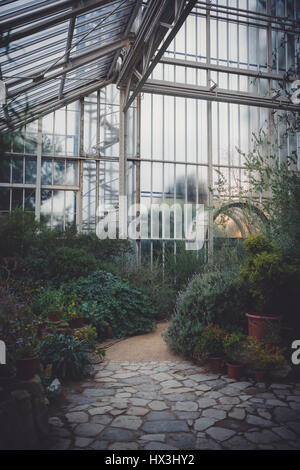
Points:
[(148, 347)]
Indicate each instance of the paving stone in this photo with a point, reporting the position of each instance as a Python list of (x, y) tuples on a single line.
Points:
[(295, 426), (206, 402), (82, 442), (159, 446), (229, 400), (127, 422), (123, 446), (237, 413), (203, 423), (77, 417), (220, 434), (101, 419), (185, 406), (239, 443), (285, 433), (125, 375), (117, 434), (161, 415), (204, 443), (282, 415), (181, 440), (99, 445), (262, 437), (153, 437), (204, 387), (190, 383), (257, 421), (264, 413), (139, 401), (161, 377), (100, 410), (137, 411), (158, 405), (88, 429), (165, 426), (117, 412), (187, 415), (96, 392), (275, 402), (171, 384), (202, 377), (213, 413)]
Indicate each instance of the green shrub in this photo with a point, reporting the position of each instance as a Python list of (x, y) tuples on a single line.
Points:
[(69, 356), (271, 278), (127, 310), (213, 297), (149, 280)]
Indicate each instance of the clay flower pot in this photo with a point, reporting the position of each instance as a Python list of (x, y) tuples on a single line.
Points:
[(27, 367), (258, 325), (215, 364), (234, 370), (6, 383), (259, 375)]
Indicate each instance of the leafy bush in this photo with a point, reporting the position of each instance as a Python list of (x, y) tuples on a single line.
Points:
[(271, 278), (213, 297), (210, 343), (149, 280), (69, 356), (127, 310), (264, 356), (234, 345)]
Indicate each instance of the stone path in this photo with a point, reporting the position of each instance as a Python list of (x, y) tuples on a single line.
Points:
[(175, 406)]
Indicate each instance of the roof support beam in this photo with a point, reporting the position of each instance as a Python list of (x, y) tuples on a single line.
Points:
[(67, 56), (53, 104), (181, 19), (68, 66), (52, 21), (220, 95)]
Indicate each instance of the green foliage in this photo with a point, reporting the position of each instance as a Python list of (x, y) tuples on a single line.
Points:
[(69, 356), (181, 268), (214, 297), (234, 345), (87, 333), (149, 280), (127, 310), (271, 278), (70, 263), (210, 343), (256, 244), (264, 356)]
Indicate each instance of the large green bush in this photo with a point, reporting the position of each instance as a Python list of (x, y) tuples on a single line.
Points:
[(127, 310), (214, 297)]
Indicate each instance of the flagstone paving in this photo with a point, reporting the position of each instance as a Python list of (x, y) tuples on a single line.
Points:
[(175, 406)]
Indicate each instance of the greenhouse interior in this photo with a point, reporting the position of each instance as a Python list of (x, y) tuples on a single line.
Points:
[(149, 226)]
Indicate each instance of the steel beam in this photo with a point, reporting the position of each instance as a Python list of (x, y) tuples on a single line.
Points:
[(49, 22), (183, 16), (219, 95), (225, 69), (67, 55), (67, 66)]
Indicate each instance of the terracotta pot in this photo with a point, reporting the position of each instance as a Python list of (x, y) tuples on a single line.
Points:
[(77, 322), (27, 368), (216, 364), (258, 325), (259, 375), (234, 370), (6, 386), (54, 316)]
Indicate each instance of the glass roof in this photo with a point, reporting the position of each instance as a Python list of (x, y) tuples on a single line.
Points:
[(50, 48)]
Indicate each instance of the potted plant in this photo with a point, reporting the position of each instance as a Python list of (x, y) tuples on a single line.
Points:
[(270, 280), (234, 347), (50, 304), (263, 358), (210, 347), (7, 377), (26, 352)]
